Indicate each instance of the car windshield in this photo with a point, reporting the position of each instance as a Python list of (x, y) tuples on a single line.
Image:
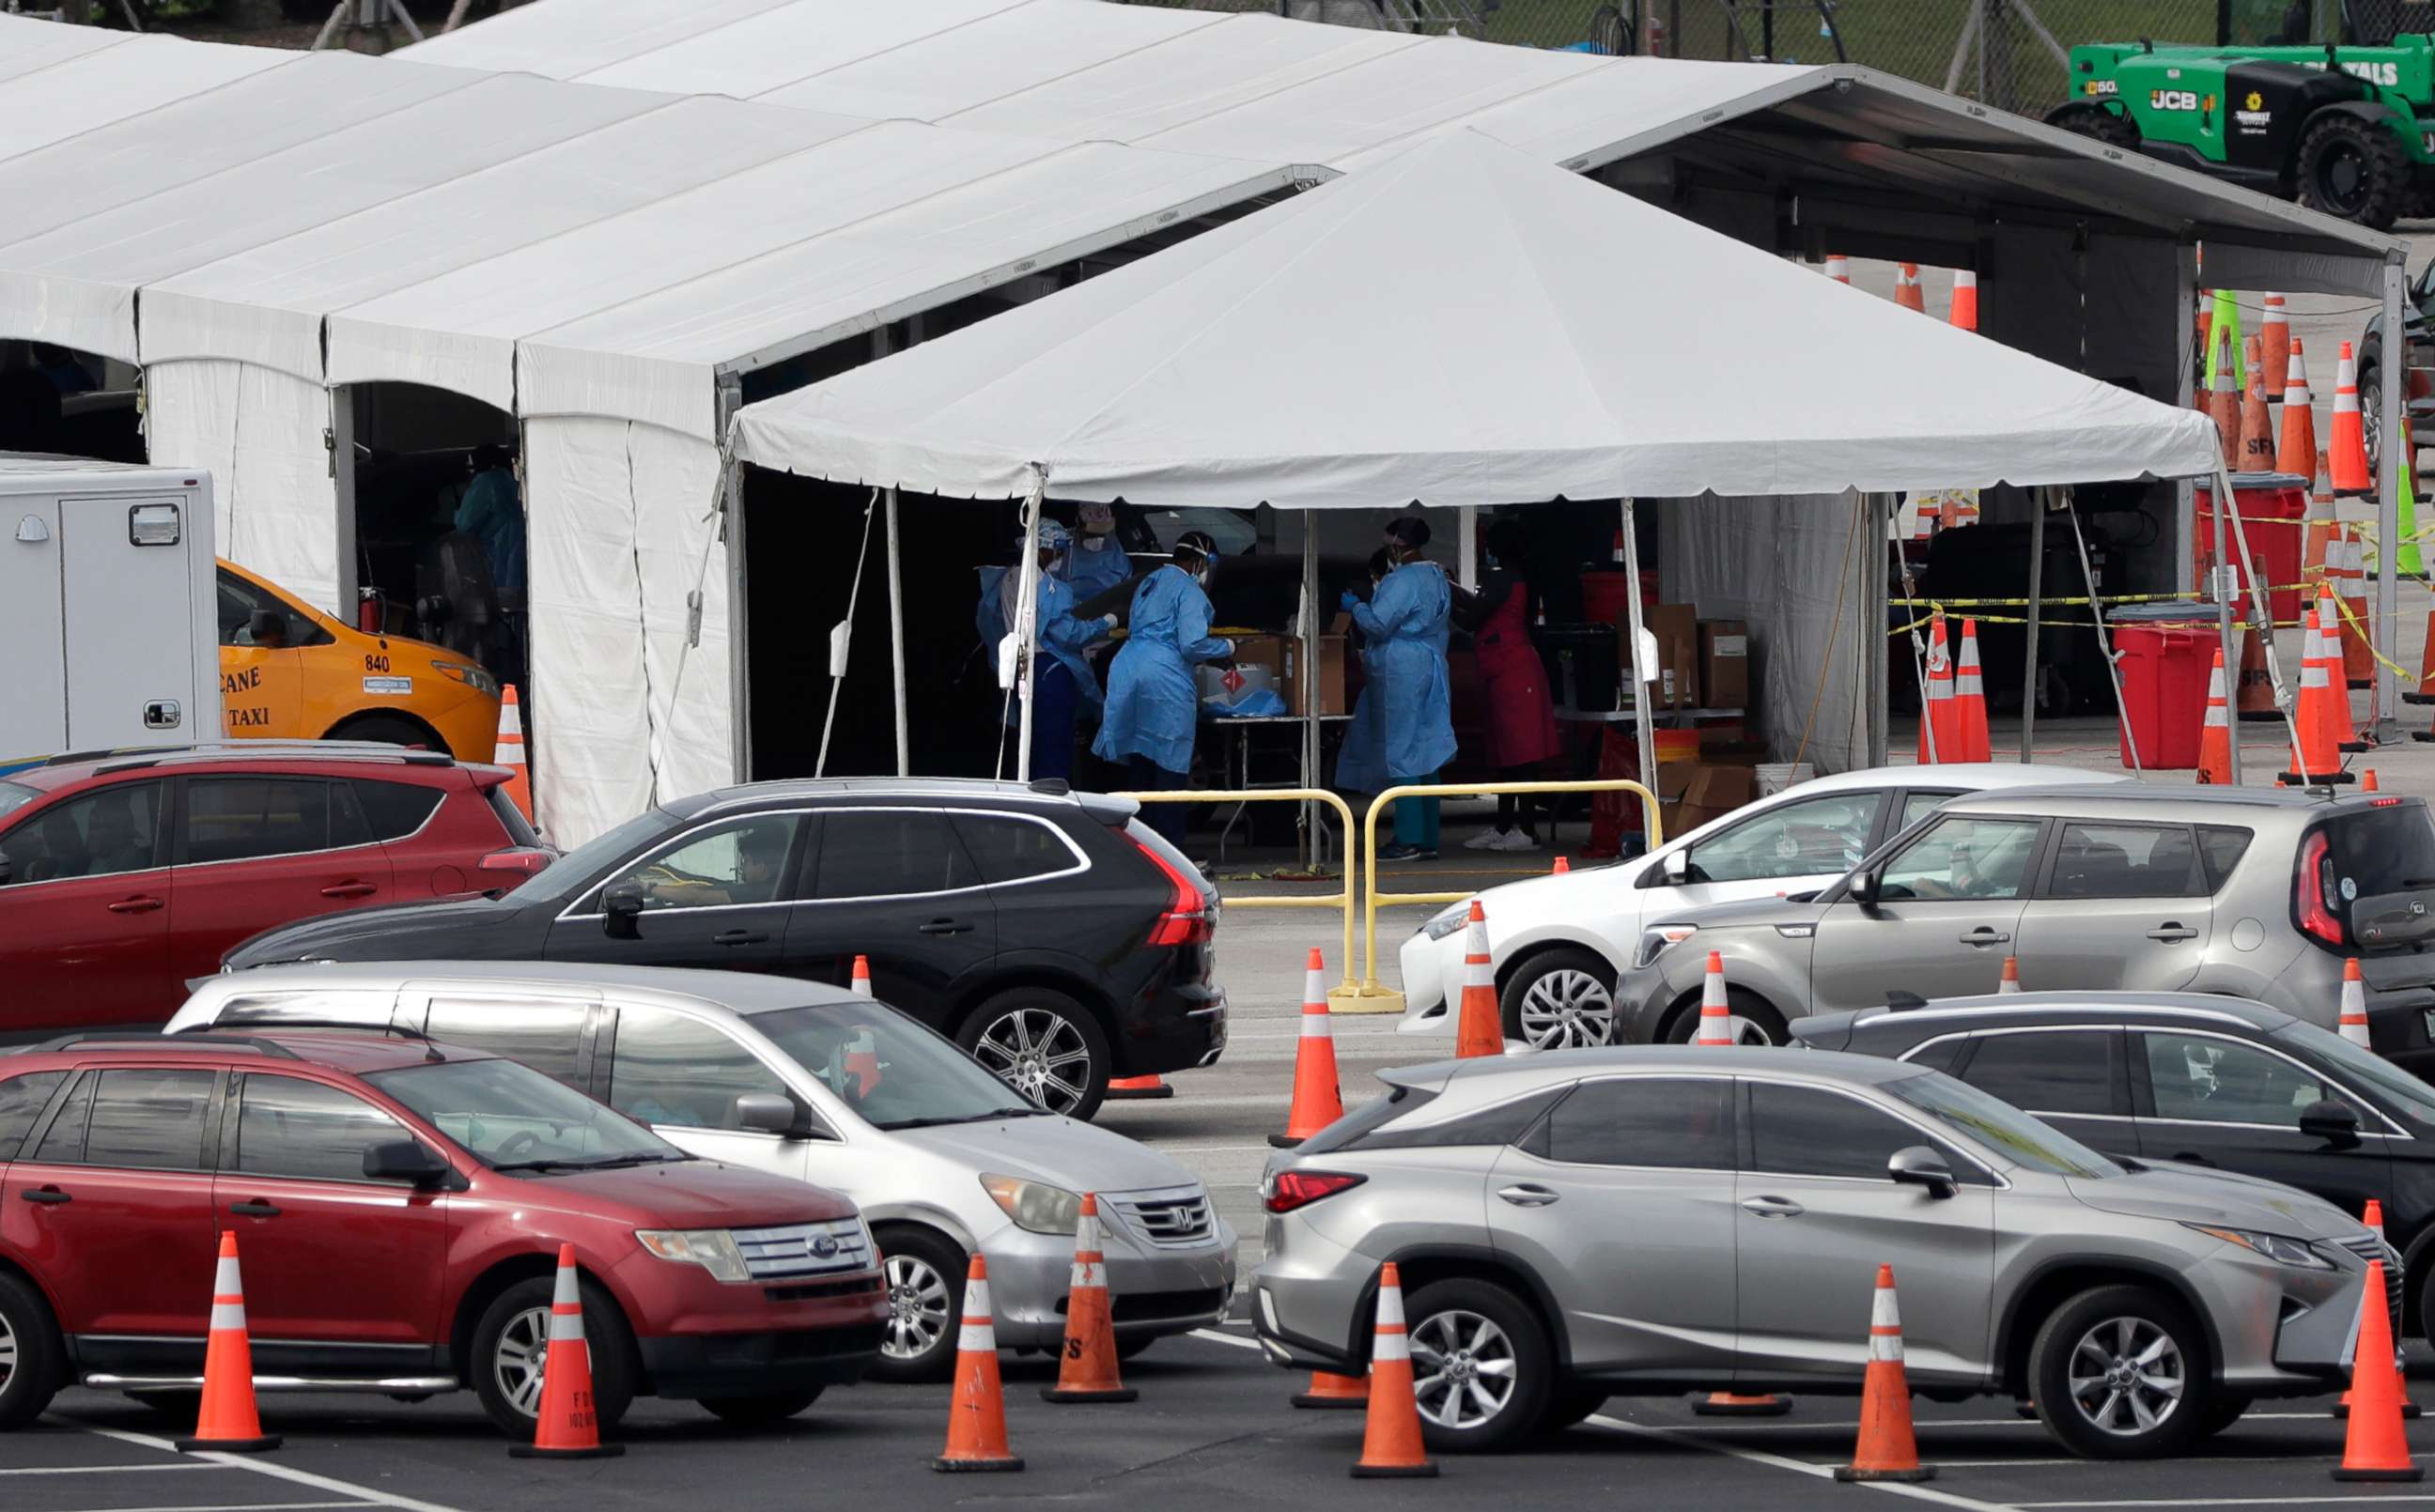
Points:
[(586, 862), (2388, 1082), (513, 1118), (15, 796), (1997, 1125), (892, 1070)]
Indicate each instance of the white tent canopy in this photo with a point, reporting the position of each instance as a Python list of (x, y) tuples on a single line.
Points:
[(1456, 335)]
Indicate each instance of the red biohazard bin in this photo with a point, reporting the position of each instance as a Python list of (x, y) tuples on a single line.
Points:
[(2273, 509), (2166, 652)]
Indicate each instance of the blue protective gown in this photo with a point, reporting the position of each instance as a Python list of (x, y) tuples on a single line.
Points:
[(1063, 638), (1361, 764), (1405, 625), (490, 513), (1151, 704), (1093, 573)]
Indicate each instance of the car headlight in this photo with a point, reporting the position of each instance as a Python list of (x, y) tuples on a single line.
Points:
[(471, 676), (2275, 1247), (1656, 943), (1447, 922), (713, 1249), (1035, 1206)]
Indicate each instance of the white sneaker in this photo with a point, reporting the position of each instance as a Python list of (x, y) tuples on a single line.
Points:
[(1486, 840), (1515, 840)]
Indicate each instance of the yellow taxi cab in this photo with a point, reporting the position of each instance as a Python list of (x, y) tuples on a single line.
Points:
[(289, 672)]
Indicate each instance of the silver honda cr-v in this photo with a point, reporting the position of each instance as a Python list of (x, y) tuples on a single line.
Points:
[(1631, 1221)]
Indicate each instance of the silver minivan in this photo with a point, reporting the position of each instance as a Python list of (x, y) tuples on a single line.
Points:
[(811, 1081)]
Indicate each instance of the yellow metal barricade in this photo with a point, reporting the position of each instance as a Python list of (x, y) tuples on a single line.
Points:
[(1341, 900), (1371, 996)]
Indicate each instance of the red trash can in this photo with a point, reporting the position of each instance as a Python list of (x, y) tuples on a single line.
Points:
[(2273, 509), (2166, 653)]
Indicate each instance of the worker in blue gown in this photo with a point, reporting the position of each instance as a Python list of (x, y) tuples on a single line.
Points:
[(1063, 683), (1361, 762), (1152, 706), (1094, 560), (1404, 628)]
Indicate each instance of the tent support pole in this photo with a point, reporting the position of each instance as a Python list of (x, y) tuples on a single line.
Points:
[(1026, 614), (2221, 586), (739, 639), (896, 634), (1641, 716), (1313, 840), (2030, 657), (1876, 651), (2386, 624), (1466, 561), (2259, 614)]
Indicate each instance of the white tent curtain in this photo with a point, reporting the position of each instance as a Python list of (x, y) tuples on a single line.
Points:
[(260, 432)]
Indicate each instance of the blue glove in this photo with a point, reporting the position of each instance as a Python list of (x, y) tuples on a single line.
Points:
[(1348, 600)]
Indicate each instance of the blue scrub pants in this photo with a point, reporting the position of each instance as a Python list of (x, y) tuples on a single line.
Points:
[(1416, 818)]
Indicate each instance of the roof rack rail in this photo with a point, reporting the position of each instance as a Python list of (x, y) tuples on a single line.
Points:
[(140, 1041), (138, 759), (358, 1026)]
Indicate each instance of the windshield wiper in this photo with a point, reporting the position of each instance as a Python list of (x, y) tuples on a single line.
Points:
[(616, 1162), (937, 1120), (545, 1165), (610, 1162)]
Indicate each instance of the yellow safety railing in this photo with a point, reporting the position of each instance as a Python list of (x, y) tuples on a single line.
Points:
[(1371, 996), (1342, 900)]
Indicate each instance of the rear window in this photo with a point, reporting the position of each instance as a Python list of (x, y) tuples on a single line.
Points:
[(394, 810), (1010, 850), (2379, 851), (2221, 848), (1349, 1129), (15, 796), (22, 1101)]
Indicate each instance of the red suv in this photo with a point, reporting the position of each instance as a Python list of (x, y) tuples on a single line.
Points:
[(123, 875), (399, 1206)]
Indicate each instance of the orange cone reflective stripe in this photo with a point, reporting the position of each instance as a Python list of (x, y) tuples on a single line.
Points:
[(1479, 1025), (2353, 1020), (1888, 1449), (1318, 1097), (569, 1426), (1086, 1365), (976, 1413), (1391, 1439), (2375, 1448), (228, 1420)]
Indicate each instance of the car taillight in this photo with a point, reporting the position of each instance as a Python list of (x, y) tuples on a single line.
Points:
[(2308, 891), (527, 861), (1185, 920), (1289, 1190)]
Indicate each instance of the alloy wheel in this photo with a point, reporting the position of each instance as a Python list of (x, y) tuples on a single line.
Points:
[(1564, 1010), (8, 1351), (2125, 1376), (522, 1355), (1462, 1369), (1040, 1055), (916, 1308)]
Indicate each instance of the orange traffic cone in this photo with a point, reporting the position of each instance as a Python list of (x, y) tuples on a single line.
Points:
[(1966, 300), (2358, 652), (1332, 1392), (510, 751), (1086, 1369), (2367, 780), (1479, 1024), (2256, 426), (2348, 447), (976, 1414), (2318, 542), (2297, 455), (861, 977), (2206, 330), (1318, 1099), (2374, 1220), (1907, 290), (2010, 980), (2319, 759), (1391, 1441), (2375, 1448), (1138, 1090), (1716, 1009), (1970, 736), (2215, 740), (2329, 652), (1936, 742), (570, 1424), (229, 1421), (1888, 1450), (2353, 1023), (1839, 268), (2224, 404), (2274, 345), (1564, 864)]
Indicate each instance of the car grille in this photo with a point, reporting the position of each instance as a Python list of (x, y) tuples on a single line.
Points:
[(1171, 1218), (2367, 1248), (1160, 1307), (805, 1248)]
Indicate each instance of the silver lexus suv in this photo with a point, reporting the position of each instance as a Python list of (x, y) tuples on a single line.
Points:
[(1647, 1221)]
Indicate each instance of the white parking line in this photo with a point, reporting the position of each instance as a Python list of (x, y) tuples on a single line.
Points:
[(111, 1470), (235, 1506), (277, 1473), (2251, 1501), (1824, 1472)]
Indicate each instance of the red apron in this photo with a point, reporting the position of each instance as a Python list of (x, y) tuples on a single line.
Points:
[(1521, 717)]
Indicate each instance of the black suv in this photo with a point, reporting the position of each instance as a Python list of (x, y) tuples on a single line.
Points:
[(2213, 1081), (1053, 934)]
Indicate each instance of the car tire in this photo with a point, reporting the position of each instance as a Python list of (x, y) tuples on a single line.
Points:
[(1760, 1023), (924, 1272), (2088, 118), (33, 1377), (1566, 996), (1132, 1346), (2227, 1411), (389, 729), (1569, 1406), (1045, 1045), (1466, 1334), (510, 1341), (2096, 1332), (2352, 170), (760, 1412)]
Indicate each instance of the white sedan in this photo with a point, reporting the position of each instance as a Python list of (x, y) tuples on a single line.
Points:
[(1559, 942)]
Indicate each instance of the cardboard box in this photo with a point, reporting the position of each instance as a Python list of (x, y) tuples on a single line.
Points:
[(1724, 663), (1676, 630), (1331, 677), (1262, 652), (1712, 791), (1673, 782)]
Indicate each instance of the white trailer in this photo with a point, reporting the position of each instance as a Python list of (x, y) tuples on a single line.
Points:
[(107, 611)]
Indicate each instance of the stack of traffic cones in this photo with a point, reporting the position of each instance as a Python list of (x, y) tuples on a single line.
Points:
[(2329, 652), (976, 1414), (2348, 446), (2010, 980), (1479, 1023), (2224, 404), (1970, 737), (2297, 454), (1086, 1369), (1888, 1450), (2375, 1448), (511, 751), (2275, 344), (2256, 427), (1390, 1440), (1318, 1097), (1936, 721), (2215, 740), (570, 1423), (1906, 291), (229, 1421), (1966, 300), (2353, 1022), (861, 982)]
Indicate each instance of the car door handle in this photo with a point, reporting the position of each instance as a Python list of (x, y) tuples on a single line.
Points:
[(134, 905), (2172, 933), (254, 1208), (48, 1194), (946, 926), (1526, 1195), (1773, 1206), (740, 936), (1983, 935), (349, 889)]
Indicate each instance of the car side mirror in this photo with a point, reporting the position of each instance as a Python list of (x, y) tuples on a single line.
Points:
[(621, 911), (1676, 866), (408, 1160), (1917, 1165), (262, 627), (769, 1113), (1862, 888), (2336, 1123)]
